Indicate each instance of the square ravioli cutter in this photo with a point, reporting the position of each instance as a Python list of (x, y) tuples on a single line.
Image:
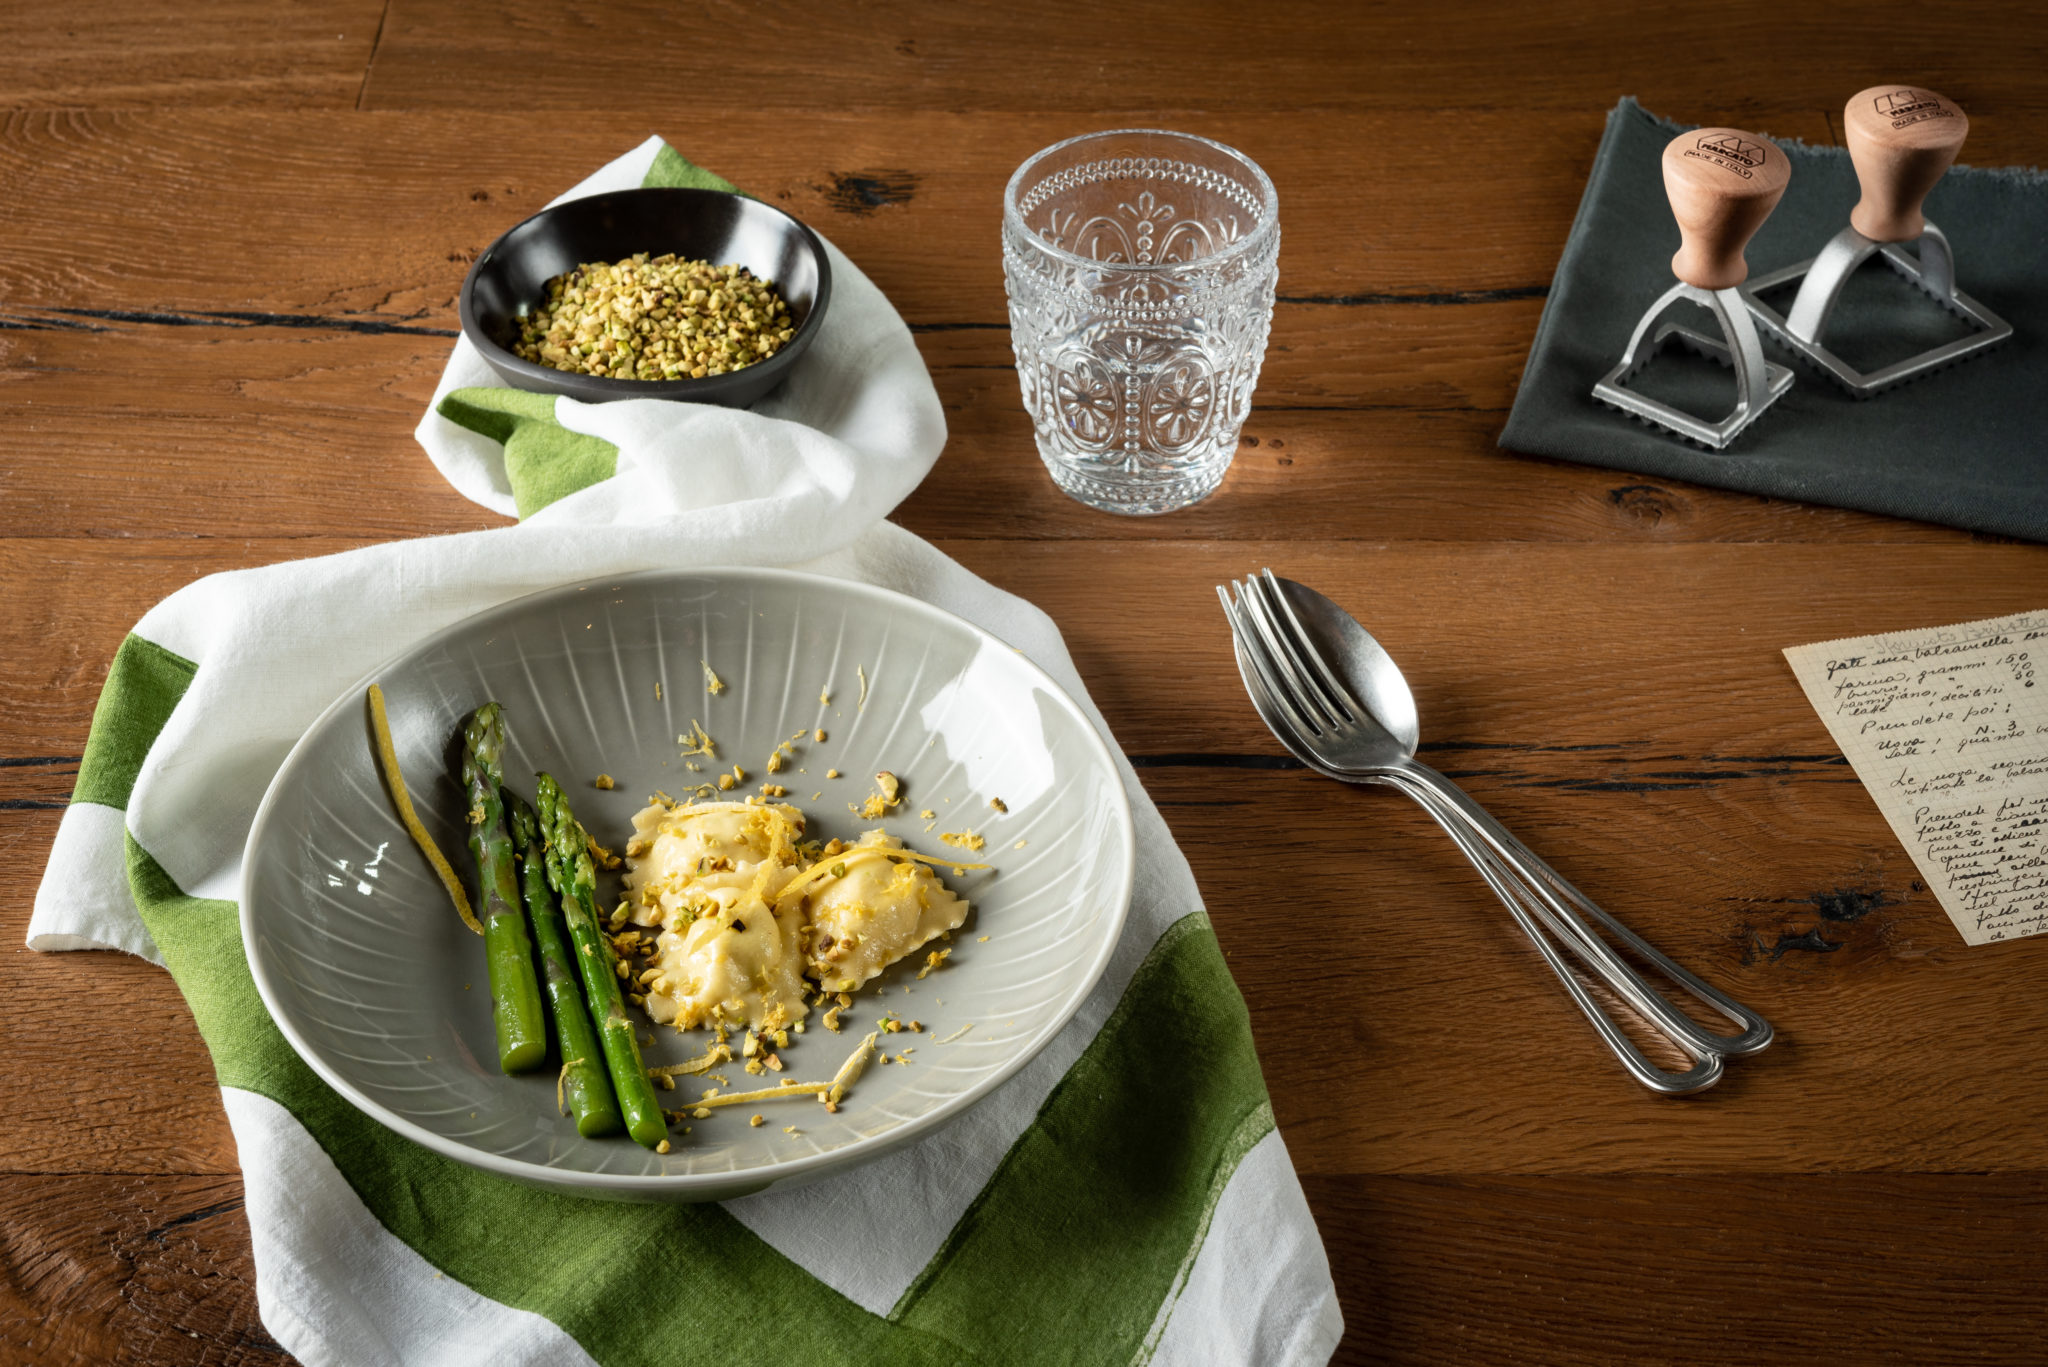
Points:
[(1722, 183), (1902, 140)]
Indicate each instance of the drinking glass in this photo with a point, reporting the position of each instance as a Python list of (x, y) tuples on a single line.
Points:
[(1140, 266)]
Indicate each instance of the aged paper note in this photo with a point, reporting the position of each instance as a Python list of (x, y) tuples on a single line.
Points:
[(1948, 729)]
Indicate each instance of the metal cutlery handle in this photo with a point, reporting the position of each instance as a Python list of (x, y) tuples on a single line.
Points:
[(1528, 911), (1560, 905)]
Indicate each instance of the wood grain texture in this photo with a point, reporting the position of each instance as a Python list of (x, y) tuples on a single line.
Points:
[(229, 52), (114, 1269), (1206, 55), (1431, 1270), (1678, 1271), (234, 239), (359, 215), (148, 1104)]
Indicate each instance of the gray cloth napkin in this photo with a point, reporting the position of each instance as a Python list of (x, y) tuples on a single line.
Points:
[(1966, 446)]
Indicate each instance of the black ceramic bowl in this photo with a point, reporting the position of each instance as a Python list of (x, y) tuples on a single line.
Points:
[(511, 277)]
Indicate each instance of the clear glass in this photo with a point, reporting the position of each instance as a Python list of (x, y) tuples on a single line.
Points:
[(1140, 266)]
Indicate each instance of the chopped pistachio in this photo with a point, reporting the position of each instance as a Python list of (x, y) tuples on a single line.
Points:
[(655, 318)]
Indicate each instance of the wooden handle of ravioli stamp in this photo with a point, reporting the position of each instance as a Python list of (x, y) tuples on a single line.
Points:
[(1903, 140), (1723, 184)]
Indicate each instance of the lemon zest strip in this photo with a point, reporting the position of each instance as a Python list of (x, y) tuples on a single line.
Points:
[(394, 780)]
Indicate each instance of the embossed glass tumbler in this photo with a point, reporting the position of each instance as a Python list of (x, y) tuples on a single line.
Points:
[(1140, 266)]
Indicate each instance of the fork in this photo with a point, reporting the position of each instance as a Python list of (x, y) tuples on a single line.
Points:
[(1318, 716)]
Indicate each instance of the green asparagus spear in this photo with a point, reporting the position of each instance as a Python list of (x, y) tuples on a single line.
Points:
[(584, 1086), (572, 875), (508, 950)]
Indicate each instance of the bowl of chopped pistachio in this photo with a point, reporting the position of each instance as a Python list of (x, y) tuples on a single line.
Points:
[(655, 293)]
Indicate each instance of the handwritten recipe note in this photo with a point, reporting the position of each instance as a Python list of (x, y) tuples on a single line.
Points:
[(1948, 729)]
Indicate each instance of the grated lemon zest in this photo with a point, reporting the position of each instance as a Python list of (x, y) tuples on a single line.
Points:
[(697, 742), (765, 1094), (716, 1055)]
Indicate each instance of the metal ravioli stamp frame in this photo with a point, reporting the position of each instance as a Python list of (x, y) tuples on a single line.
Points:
[(1933, 272), (1758, 382)]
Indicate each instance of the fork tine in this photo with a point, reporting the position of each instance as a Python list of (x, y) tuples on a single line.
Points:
[(1282, 678), (1338, 691), (1253, 652), (1285, 658), (1300, 654)]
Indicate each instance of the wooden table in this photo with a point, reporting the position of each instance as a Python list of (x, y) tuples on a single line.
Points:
[(233, 235)]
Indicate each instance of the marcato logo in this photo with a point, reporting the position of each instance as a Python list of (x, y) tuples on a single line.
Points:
[(1730, 152), (1734, 147), (1905, 107)]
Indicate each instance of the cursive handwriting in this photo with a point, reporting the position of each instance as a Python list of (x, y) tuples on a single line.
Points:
[(1948, 729)]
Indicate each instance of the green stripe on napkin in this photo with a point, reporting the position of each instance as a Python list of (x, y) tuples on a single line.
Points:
[(143, 684), (544, 460), (671, 169), (1085, 1226), (1069, 1251)]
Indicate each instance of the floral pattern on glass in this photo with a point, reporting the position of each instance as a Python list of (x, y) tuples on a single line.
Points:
[(1179, 403), (1132, 233), (1085, 397)]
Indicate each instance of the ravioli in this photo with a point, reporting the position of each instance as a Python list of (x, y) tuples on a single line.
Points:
[(708, 876), (718, 844), (875, 912), (738, 962), (745, 911)]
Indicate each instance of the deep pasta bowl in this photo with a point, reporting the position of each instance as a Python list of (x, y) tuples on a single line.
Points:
[(362, 962)]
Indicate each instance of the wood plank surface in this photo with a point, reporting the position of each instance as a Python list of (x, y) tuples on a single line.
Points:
[(1202, 54), (279, 432), (128, 53), (1747, 1269), (235, 234), (106, 1268)]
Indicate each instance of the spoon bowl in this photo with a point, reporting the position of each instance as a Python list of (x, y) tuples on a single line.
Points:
[(1367, 672)]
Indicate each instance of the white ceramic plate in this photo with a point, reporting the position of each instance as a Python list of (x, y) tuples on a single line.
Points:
[(365, 967)]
